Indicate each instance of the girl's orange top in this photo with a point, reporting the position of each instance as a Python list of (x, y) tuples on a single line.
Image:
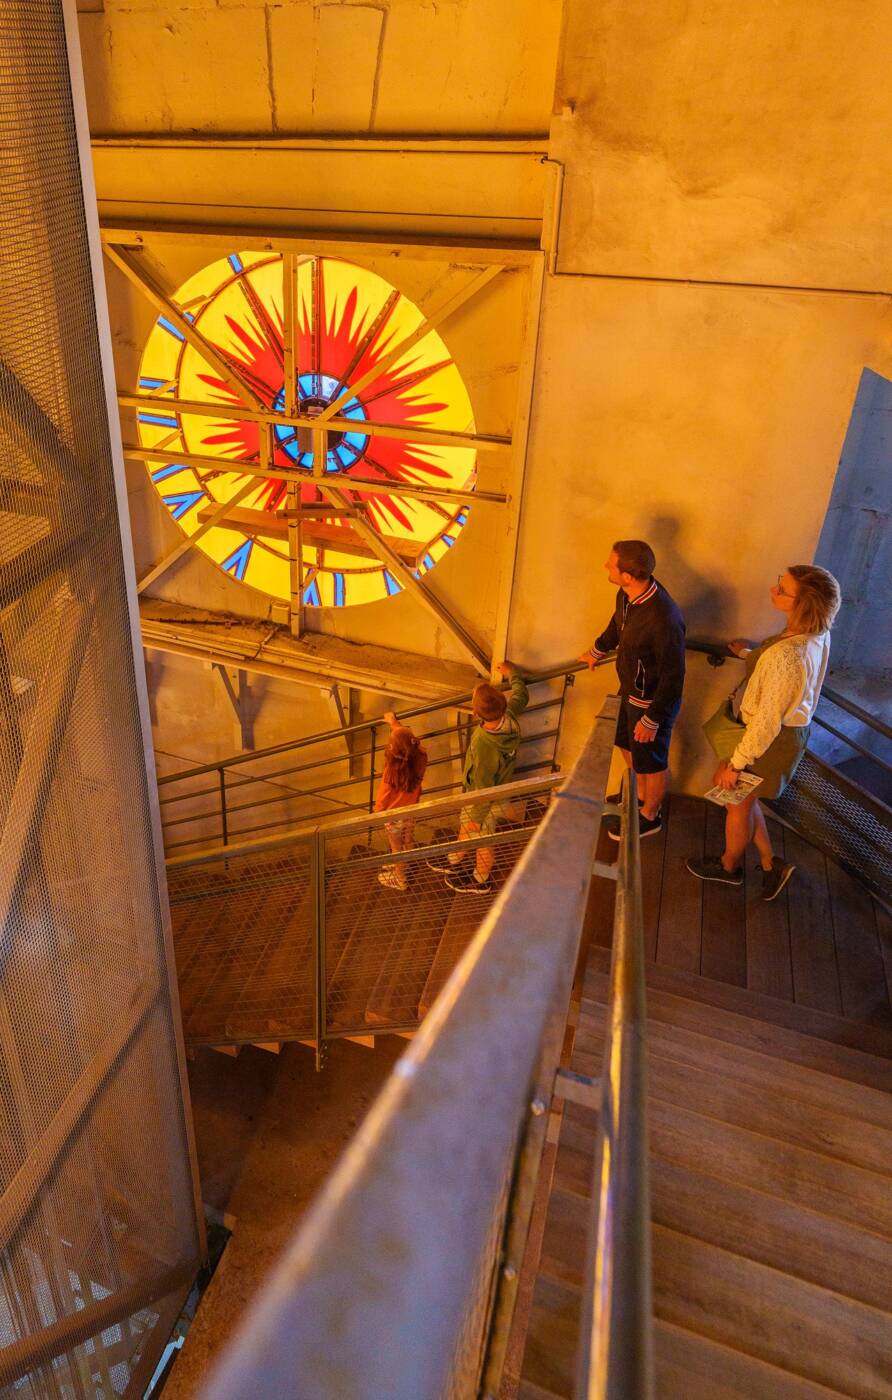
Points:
[(390, 796)]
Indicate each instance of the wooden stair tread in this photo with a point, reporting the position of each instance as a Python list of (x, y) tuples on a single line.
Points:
[(705, 991), (818, 1249), (826, 1131), (407, 964), (688, 1365), (785, 1043), (735, 1155), (776, 1327), (823, 1336), (463, 921), (691, 1367), (752, 1067)]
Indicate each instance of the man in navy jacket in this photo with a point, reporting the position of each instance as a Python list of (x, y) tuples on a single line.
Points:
[(647, 633)]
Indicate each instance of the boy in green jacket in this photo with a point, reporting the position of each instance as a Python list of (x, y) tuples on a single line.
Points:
[(489, 762)]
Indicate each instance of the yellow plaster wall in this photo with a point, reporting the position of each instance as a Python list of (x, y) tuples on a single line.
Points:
[(706, 138), (701, 140), (395, 66), (724, 143)]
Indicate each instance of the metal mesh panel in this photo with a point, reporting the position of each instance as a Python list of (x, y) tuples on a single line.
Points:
[(98, 1236), (390, 947), (843, 820), (244, 937)]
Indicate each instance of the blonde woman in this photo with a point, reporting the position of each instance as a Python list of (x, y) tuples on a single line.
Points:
[(763, 727)]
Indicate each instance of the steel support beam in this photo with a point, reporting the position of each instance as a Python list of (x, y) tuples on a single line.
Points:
[(192, 540), (129, 263), (483, 251), (75, 1329), (240, 700), (520, 438), (484, 442), (45, 1154), (373, 486), (414, 586), (46, 735)]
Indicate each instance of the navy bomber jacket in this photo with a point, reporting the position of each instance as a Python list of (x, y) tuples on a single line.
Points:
[(648, 638)]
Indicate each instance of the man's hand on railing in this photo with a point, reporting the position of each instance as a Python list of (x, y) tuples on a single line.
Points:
[(589, 660)]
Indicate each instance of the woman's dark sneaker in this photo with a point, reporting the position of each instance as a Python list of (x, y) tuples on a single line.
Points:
[(774, 880), (712, 869), (646, 826)]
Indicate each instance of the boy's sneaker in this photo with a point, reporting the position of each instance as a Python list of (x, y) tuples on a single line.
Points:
[(466, 882), (647, 826), (443, 865), (391, 879), (774, 880), (712, 869)]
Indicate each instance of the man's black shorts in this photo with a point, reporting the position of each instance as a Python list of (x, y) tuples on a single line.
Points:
[(646, 758)]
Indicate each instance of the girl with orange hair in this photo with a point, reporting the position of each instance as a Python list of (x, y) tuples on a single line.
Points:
[(405, 761)]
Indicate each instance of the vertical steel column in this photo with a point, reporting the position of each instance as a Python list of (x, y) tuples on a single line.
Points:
[(373, 755), (317, 874), (569, 679), (224, 824)]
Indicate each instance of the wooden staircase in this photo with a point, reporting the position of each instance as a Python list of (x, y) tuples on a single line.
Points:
[(244, 941), (771, 1199)]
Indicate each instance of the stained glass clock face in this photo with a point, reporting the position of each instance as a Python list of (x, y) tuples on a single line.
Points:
[(348, 320)]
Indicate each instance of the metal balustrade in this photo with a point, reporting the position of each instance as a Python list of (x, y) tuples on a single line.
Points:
[(402, 1278), (296, 938), (336, 772)]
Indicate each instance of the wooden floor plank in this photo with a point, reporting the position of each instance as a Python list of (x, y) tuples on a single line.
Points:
[(723, 952), (598, 927), (690, 1367), (884, 934), (812, 946), (736, 1155), (681, 901), (768, 963), (653, 855), (736, 1060), (862, 976), (758, 1015), (799, 1241)]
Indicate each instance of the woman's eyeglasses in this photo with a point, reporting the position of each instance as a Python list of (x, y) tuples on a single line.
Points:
[(782, 592)]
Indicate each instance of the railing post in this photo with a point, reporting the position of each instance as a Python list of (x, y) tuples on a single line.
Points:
[(317, 874), (569, 679), (372, 761), (224, 825), (615, 1360)]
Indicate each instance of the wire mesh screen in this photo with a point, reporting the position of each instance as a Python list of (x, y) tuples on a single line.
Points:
[(98, 1236), (244, 935), (394, 925), (843, 820)]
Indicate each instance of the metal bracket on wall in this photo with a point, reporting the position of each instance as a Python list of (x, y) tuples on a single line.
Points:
[(242, 702)]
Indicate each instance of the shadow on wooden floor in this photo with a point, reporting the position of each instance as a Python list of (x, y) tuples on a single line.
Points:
[(824, 942)]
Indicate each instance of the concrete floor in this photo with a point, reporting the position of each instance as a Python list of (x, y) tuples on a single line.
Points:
[(269, 1130)]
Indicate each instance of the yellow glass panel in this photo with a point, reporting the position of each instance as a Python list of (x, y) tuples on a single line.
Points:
[(349, 320)]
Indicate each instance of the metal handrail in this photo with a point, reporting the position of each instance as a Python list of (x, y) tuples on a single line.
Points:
[(447, 702), (218, 809), (393, 1280), (616, 1332)]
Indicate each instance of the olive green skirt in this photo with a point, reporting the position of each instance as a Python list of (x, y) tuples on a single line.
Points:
[(780, 760)]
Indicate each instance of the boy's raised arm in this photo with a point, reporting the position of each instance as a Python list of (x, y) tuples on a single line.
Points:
[(520, 695)]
